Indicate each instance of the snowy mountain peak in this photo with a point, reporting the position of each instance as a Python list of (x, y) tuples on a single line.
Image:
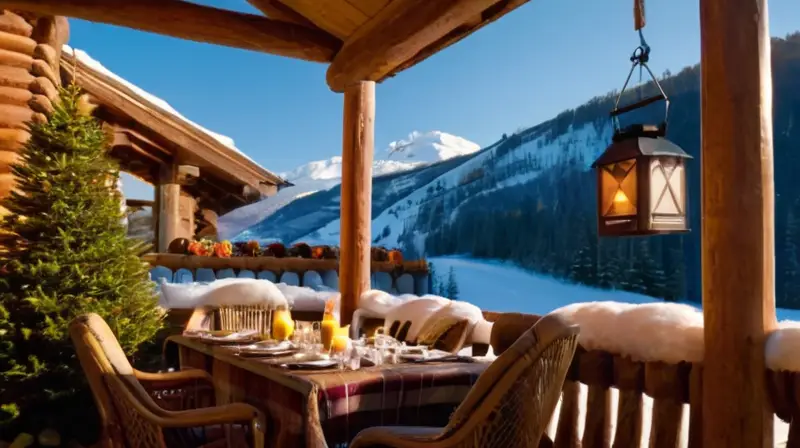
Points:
[(430, 147), (318, 169), (419, 148)]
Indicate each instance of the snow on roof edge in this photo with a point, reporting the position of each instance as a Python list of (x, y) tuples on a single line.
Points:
[(84, 58)]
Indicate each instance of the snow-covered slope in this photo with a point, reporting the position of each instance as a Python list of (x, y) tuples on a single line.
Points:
[(418, 150), (512, 162)]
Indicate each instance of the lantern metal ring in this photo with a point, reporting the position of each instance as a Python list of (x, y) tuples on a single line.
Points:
[(639, 58)]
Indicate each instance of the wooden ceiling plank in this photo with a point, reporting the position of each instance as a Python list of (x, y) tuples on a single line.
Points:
[(369, 7), (490, 15), (337, 17), (199, 23), (278, 11), (400, 32)]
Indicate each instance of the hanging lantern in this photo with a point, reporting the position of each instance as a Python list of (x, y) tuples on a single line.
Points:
[(641, 177)]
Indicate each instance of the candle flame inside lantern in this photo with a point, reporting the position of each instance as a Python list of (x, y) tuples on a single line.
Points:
[(620, 197)]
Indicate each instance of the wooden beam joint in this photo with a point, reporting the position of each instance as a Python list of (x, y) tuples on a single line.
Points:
[(396, 34)]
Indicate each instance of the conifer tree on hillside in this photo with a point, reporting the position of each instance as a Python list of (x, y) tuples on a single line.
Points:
[(434, 283), (71, 257), (791, 271), (452, 285), (584, 267)]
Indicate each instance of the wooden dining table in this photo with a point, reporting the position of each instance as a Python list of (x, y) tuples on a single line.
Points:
[(321, 408)]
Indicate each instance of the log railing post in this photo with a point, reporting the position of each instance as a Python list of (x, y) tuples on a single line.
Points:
[(356, 195), (737, 221)]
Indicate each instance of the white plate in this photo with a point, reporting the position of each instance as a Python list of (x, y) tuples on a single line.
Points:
[(269, 346), (316, 364)]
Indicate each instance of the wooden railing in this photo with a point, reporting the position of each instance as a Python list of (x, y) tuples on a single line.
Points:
[(408, 277), (670, 386)]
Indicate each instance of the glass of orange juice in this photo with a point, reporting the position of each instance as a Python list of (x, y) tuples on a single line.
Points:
[(282, 324), (327, 329)]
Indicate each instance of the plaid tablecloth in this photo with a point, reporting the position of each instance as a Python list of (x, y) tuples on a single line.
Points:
[(328, 408)]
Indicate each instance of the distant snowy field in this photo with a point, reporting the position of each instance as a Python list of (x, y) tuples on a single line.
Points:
[(499, 286), (496, 285)]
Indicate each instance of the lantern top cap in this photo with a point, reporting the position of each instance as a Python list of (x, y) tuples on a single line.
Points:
[(635, 146)]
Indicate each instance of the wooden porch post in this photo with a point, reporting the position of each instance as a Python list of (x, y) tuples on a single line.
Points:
[(356, 200), (737, 221), (175, 209)]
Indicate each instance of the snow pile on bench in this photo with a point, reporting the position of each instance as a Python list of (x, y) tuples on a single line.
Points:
[(229, 291), (303, 298)]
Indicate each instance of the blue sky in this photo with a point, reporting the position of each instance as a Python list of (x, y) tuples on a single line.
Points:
[(545, 57)]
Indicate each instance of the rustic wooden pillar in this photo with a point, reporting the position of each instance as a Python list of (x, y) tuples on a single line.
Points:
[(737, 221), (356, 195), (186, 210), (175, 208)]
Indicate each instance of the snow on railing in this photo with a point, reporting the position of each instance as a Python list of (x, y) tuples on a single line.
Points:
[(636, 379)]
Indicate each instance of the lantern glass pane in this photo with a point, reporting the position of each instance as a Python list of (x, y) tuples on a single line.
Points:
[(666, 186), (618, 188)]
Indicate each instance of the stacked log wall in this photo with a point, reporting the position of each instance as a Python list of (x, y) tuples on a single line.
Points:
[(30, 50)]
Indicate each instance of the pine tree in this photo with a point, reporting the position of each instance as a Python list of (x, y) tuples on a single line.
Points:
[(676, 278), (70, 256), (434, 284), (584, 266), (452, 285), (646, 277), (791, 271)]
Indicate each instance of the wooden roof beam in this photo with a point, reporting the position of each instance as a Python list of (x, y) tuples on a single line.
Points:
[(400, 31), (199, 23)]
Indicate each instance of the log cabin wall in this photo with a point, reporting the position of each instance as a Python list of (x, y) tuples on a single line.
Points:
[(30, 50)]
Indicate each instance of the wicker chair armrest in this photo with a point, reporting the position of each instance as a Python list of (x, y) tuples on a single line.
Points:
[(218, 415), (179, 391), (170, 379), (397, 437)]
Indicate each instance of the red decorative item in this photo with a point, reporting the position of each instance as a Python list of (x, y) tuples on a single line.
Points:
[(197, 248), (223, 249), (252, 248), (379, 254), (277, 250), (301, 250), (395, 256)]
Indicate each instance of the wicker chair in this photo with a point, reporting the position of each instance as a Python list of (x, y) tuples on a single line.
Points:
[(511, 403), (155, 398), (240, 317)]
